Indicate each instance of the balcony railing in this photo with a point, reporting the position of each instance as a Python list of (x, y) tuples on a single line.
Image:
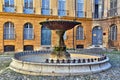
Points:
[(9, 8), (80, 13), (29, 10), (63, 12), (46, 11), (113, 12)]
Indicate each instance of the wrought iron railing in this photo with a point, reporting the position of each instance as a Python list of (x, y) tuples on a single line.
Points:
[(63, 12), (29, 10), (9, 8), (80, 14), (46, 11), (113, 12)]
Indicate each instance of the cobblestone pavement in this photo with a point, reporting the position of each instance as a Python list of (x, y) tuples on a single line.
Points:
[(111, 74)]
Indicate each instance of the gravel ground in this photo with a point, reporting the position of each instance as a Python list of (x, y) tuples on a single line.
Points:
[(111, 74)]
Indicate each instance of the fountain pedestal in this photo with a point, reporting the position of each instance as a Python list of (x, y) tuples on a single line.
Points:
[(59, 51)]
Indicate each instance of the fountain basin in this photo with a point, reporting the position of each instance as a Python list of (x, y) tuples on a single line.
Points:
[(60, 24), (38, 66)]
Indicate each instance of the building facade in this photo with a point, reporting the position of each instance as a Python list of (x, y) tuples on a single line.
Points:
[(21, 30)]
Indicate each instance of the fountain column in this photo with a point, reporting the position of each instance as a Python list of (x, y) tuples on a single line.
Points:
[(59, 51)]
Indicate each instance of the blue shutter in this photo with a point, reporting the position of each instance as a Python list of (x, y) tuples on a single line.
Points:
[(9, 6), (61, 8), (45, 36), (45, 7), (80, 8), (97, 36), (28, 6)]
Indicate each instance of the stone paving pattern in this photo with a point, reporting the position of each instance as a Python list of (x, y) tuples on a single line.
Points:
[(111, 74)]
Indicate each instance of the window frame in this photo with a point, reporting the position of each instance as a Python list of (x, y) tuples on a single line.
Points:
[(9, 31), (79, 31), (30, 31)]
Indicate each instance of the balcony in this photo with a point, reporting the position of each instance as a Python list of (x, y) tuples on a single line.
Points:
[(46, 11), (28, 10), (9, 8), (113, 12), (63, 12)]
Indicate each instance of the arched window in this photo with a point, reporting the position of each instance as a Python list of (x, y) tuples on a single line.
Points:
[(79, 33), (61, 7), (113, 32), (45, 7), (28, 6), (9, 31), (80, 8), (28, 31), (9, 6), (45, 36)]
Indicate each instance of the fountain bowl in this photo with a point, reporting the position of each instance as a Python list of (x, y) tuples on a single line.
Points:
[(59, 24), (38, 63)]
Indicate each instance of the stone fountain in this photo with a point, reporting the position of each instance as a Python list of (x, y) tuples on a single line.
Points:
[(58, 62), (60, 27)]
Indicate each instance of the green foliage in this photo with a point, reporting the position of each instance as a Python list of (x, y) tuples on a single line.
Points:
[(59, 48)]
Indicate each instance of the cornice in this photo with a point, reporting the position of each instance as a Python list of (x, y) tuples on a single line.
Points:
[(43, 16)]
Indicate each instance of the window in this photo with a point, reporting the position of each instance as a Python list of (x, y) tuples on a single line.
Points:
[(28, 6), (80, 8), (113, 8), (9, 48), (28, 48), (9, 6), (45, 7), (9, 31), (28, 31), (79, 46), (61, 7), (113, 32), (79, 33), (98, 8)]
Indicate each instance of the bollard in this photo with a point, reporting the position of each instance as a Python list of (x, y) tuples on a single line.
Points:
[(79, 61), (92, 60), (88, 60), (52, 61), (63, 61), (74, 60), (47, 61), (58, 61), (84, 61), (68, 61)]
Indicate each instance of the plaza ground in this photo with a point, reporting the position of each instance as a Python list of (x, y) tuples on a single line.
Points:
[(111, 74)]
